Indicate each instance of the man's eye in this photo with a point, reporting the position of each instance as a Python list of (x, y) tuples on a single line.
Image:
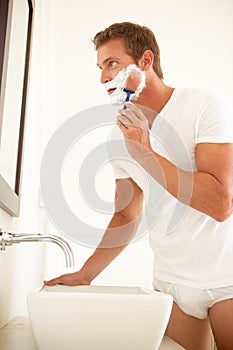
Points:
[(112, 63)]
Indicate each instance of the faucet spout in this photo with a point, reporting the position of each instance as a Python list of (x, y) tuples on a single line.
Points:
[(7, 239)]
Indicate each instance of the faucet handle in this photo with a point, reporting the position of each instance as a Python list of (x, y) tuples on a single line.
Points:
[(5, 239)]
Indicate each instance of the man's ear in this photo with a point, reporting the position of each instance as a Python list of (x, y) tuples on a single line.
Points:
[(146, 61)]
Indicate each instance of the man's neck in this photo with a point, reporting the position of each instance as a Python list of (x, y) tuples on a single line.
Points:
[(155, 96)]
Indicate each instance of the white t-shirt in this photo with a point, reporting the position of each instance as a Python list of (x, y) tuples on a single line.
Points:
[(190, 248)]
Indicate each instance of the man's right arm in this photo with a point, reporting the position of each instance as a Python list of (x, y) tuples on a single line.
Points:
[(120, 231)]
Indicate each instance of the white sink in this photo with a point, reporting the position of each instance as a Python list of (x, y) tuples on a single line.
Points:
[(98, 317)]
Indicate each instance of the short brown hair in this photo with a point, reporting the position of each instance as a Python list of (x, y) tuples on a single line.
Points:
[(136, 39)]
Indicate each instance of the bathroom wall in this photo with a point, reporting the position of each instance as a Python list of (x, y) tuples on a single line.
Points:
[(195, 38)]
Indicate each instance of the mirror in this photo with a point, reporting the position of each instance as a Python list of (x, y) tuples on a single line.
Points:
[(15, 45)]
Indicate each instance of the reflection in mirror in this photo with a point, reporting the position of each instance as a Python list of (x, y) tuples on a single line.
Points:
[(15, 36)]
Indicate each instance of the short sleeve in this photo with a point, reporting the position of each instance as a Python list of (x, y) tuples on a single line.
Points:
[(118, 171), (215, 120), (113, 153)]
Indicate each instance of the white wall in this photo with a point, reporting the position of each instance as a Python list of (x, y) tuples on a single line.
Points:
[(195, 38)]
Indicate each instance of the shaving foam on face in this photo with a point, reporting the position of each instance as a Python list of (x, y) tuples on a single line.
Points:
[(119, 96)]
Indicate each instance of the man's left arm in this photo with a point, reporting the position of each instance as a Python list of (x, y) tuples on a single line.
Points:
[(208, 190)]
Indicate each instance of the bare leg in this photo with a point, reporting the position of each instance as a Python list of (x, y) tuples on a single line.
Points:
[(221, 320), (190, 332)]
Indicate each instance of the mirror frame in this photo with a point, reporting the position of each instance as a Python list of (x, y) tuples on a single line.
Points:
[(9, 196)]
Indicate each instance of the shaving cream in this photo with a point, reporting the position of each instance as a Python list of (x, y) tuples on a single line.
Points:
[(119, 83)]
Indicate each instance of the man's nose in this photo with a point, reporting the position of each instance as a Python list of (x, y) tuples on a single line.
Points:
[(105, 77)]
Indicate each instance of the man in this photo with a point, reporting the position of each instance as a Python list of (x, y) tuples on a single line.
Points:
[(194, 259)]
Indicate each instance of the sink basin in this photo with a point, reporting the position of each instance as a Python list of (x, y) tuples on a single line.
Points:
[(98, 317)]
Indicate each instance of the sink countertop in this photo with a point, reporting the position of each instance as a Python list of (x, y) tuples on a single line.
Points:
[(17, 334)]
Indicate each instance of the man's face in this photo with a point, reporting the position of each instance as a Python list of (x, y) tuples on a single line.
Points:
[(113, 60)]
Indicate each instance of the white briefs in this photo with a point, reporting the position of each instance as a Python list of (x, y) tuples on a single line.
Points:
[(193, 301)]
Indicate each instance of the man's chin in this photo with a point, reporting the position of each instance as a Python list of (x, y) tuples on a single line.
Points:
[(118, 97)]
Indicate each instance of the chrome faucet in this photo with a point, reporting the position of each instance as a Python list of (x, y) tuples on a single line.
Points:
[(7, 239)]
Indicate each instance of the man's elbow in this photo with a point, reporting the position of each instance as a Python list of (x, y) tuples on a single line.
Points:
[(225, 208), (223, 216)]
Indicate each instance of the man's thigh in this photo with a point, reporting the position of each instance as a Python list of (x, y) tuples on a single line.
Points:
[(188, 331), (221, 320)]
